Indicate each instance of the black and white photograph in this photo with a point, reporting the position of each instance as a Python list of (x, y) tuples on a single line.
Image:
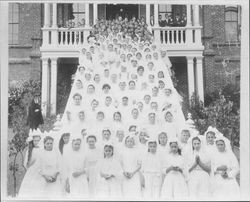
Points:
[(124, 100)]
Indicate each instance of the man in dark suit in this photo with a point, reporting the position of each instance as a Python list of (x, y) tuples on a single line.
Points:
[(161, 22)]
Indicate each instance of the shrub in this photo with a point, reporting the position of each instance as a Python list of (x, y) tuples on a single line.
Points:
[(221, 112)]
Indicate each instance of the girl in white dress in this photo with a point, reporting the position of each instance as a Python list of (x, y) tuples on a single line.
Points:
[(151, 170), (225, 167), (93, 154), (198, 168), (174, 186), (209, 141), (163, 147), (49, 169), (109, 172), (76, 171), (31, 183), (131, 165)]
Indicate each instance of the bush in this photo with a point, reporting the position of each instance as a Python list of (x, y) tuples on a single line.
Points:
[(222, 112)]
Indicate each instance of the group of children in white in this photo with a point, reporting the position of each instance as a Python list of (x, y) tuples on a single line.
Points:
[(123, 135)]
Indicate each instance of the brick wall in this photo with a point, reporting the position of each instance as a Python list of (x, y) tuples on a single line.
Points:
[(221, 58), (24, 58)]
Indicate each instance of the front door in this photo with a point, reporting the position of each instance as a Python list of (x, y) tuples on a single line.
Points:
[(124, 10)]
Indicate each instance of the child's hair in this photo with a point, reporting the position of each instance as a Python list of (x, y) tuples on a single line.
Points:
[(30, 149), (61, 142), (110, 147), (195, 138), (91, 136), (77, 94), (106, 85), (179, 150), (211, 132), (186, 131)]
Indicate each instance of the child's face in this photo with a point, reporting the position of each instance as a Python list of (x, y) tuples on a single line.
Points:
[(151, 78), (174, 147), (131, 85), (120, 135), (185, 136), (108, 101), (94, 104), (106, 89), (91, 142), (106, 73), (66, 139), (167, 92), (100, 116), (154, 105), (124, 101), (140, 106), (117, 117), (163, 139), (151, 118), (135, 113), (160, 74), (196, 145), (91, 89), (138, 56), (87, 76), (150, 66), (108, 152), (97, 78), (76, 144), (140, 72), (106, 135), (210, 138), (152, 147), (161, 85), (220, 145), (122, 85), (147, 99), (81, 70), (81, 116), (155, 91), (48, 145), (130, 142), (77, 100), (36, 140), (169, 117)]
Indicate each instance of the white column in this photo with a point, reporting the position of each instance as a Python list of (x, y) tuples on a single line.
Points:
[(54, 15), (196, 15), (46, 15), (53, 85), (95, 13), (189, 21), (156, 14), (190, 71), (148, 14), (244, 107), (45, 85), (199, 79), (87, 14), (197, 24)]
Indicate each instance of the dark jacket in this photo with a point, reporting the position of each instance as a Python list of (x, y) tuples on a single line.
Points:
[(35, 117)]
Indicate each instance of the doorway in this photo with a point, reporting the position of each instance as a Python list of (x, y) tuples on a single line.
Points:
[(124, 10)]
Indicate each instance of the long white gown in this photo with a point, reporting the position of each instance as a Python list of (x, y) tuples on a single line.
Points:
[(225, 188), (78, 185), (199, 183), (151, 170), (49, 164), (131, 187), (91, 159), (111, 188), (174, 186), (32, 182)]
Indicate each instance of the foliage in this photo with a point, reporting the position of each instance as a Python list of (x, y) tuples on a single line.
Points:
[(221, 112), (63, 94)]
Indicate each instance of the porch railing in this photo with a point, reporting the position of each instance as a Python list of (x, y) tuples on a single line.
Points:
[(174, 36)]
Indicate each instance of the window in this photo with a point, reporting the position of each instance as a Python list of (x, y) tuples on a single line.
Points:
[(231, 23), (78, 13), (13, 23), (164, 9)]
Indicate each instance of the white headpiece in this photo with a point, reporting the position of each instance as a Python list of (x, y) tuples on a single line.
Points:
[(33, 133)]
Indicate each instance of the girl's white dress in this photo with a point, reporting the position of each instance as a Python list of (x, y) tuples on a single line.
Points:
[(151, 170), (225, 188), (78, 185), (131, 187), (110, 188), (50, 164), (199, 183), (32, 182), (91, 159), (174, 186)]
